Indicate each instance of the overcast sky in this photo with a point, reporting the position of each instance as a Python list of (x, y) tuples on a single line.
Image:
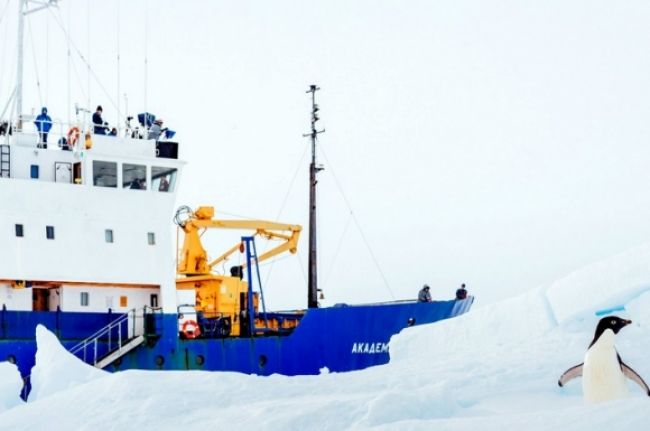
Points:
[(498, 143)]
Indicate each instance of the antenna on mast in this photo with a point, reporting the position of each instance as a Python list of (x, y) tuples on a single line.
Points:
[(312, 287)]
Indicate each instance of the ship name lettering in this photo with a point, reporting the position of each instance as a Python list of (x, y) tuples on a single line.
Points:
[(370, 348)]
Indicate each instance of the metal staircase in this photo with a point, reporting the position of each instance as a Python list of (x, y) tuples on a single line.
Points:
[(5, 161), (111, 342)]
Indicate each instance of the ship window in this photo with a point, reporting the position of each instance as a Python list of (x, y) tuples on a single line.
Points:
[(124, 301), (33, 171), (134, 177), (163, 179), (104, 173), (153, 301), (84, 299), (151, 238), (49, 232), (19, 230), (108, 235)]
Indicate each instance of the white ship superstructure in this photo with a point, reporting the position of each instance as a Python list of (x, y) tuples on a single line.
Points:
[(86, 229)]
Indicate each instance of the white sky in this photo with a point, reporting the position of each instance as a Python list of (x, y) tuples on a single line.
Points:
[(496, 143)]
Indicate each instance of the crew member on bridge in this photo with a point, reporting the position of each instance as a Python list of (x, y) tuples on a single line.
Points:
[(43, 125), (424, 295)]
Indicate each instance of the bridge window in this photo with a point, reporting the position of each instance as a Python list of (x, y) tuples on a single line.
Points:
[(19, 230), (124, 301), (104, 173), (84, 299), (163, 179), (33, 171), (134, 176), (108, 235), (151, 238), (49, 232)]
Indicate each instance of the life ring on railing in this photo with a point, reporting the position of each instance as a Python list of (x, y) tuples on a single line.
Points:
[(191, 329), (73, 136)]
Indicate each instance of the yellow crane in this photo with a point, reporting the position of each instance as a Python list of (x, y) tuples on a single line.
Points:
[(224, 298)]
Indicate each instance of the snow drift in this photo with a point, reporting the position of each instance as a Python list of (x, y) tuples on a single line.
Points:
[(494, 368)]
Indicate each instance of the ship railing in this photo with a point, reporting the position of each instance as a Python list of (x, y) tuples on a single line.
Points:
[(30, 136), (124, 328)]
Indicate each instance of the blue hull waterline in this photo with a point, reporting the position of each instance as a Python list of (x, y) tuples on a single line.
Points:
[(339, 338)]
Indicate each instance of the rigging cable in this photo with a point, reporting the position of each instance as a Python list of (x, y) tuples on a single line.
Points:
[(88, 56), (3, 54), (119, 113), (337, 251), (356, 222), (69, 60), (4, 11), (38, 79), (284, 202), (83, 59), (146, 60), (47, 62)]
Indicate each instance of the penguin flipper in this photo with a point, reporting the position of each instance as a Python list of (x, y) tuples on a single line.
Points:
[(636, 378), (570, 374)]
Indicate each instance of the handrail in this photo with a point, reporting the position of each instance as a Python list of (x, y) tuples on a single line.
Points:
[(107, 330)]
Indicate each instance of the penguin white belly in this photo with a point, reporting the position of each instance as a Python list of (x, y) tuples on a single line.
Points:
[(602, 377)]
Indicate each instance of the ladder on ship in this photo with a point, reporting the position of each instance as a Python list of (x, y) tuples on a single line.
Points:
[(110, 343), (5, 161)]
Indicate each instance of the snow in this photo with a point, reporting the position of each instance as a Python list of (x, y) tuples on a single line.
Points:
[(56, 369), (494, 368), (10, 386)]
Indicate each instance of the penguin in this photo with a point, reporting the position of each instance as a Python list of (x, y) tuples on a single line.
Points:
[(603, 372)]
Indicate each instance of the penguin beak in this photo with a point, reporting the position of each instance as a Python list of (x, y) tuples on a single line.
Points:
[(627, 322)]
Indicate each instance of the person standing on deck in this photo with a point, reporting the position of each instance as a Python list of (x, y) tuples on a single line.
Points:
[(99, 123), (424, 295), (461, 293), (43, 124)]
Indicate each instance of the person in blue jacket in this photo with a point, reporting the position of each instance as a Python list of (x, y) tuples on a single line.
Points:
[(43, 125)]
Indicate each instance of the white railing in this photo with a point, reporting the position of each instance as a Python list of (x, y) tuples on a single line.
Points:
[(62, 129), (105, 335)]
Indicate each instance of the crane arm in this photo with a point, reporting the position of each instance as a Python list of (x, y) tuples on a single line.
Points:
[(194, 257)]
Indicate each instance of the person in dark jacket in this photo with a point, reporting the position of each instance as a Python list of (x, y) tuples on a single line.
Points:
[(43, 124), (424, 295), (461, 293), (99, 123)]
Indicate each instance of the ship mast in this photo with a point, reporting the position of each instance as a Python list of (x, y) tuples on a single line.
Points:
[(22, 13), (312, 287)]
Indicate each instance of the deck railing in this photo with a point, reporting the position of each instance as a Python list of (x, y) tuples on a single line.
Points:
[(124, 326)]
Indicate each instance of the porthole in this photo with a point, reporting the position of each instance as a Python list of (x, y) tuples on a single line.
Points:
[(200, 360), (263, 361), (117, 362), (11, 359), (411, 321), (160, 360)]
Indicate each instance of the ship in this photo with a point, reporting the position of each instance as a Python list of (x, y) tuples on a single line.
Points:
[(88, 253)]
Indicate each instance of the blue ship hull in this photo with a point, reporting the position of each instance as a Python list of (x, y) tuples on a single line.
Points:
[(339, 338)]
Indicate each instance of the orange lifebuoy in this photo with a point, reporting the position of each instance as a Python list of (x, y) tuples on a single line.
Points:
[(73, 136), (191, 329)]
